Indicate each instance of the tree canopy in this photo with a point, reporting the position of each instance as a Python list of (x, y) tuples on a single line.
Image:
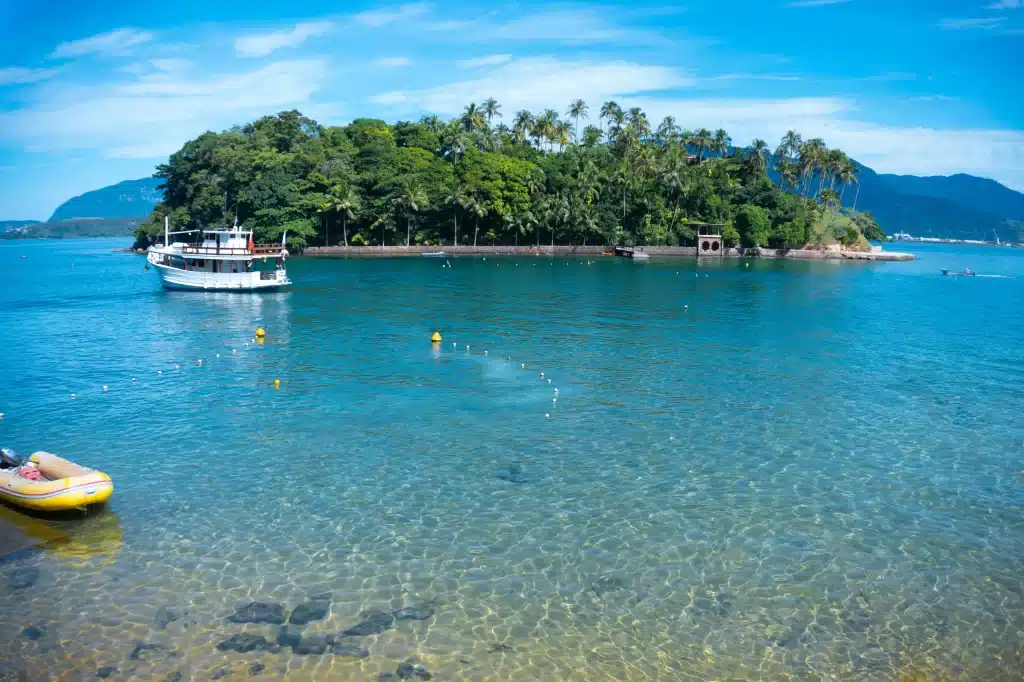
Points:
[(541, 179)]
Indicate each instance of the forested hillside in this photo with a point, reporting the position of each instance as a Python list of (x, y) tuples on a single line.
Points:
[(541, 178)]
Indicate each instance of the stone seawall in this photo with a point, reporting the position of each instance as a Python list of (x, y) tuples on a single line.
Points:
[(666, 251)]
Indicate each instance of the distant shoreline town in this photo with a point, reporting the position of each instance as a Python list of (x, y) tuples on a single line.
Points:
[(904, 237)]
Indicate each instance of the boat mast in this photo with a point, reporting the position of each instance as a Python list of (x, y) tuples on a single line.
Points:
[(167, 234)]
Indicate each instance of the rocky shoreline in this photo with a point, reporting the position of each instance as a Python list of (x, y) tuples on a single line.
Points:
[(660, 251)]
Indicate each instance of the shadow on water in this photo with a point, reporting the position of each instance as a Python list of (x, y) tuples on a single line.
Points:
[(74, 535)]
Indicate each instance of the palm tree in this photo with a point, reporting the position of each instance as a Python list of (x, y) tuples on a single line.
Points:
[(618, 120), (522, 124), (578, 109), (847, 174), (829, 198), (721, 142), (702, 139), (384, 222), (457, 197), (343, 201), (432, 122), (472, 118), (759, 154), (409, 199), (608, 111), (562, 132), (480, 210), (638, 119), (455, 140), (668, 131), (491, 108)]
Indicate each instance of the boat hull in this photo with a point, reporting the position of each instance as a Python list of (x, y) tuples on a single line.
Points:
[(86, 488), (192, 280)]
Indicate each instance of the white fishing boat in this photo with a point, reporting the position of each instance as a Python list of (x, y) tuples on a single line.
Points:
[(219, 260)]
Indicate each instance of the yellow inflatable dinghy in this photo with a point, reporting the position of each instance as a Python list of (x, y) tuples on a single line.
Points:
[(63, 485)]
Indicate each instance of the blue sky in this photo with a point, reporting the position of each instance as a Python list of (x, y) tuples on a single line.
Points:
[(96, 92)]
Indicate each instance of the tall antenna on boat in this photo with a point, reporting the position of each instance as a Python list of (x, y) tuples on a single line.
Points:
[(167, 233)]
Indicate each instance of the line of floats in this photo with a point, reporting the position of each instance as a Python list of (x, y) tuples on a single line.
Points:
[(48, 483)]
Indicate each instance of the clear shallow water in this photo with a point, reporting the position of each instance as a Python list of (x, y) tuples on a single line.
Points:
[(812, 473)]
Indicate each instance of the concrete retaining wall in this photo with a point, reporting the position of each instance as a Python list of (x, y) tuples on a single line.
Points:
[(668, 251)]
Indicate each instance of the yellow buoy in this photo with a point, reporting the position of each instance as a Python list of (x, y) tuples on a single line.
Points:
[(277, 383), (260, 333), (436, 338)]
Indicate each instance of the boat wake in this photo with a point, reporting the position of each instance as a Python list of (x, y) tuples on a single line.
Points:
[(995, 276)]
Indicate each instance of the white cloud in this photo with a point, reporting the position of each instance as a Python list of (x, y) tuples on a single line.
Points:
[(934, 98), (974, 24), (169, 64), (490, 60), (756, 76), (17, 75), (382, 17), (114, 44), (569, 27), (389, 98), (152, 117), (1005, 4), (262, 44), (815, 3), (392, 62), (537, 83)]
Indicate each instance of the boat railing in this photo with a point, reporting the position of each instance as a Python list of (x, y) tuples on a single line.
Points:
[(257, 250)]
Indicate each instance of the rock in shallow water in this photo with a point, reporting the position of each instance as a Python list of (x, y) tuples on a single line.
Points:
[(412, 669), (316, 609), (372, 624), (259, 612), (289, 636), (414, 612), (256, 669), (151, 652), (221, 672), (105, 672), (22, 578), (33, 632), (166, 615), (348, 650), (243, 643)]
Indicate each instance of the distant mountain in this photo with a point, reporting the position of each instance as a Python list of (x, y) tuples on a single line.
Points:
[(128, 199), (70, 229), (11, 225), (969, 191), (954, 207)]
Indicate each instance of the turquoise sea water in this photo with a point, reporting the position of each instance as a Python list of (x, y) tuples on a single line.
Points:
[(803, 471)]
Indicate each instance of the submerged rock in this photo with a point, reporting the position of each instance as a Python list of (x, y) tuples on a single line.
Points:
[(414, 612), (22, 578), (412, 669), (348, 650), (173, 676), (373, 623), (243, 643), (166, 615), (144, 651), (315, 609), (606, 584), (105, 672), (386, 677), (310, 645), (259, 612), (221, 672), (514, 474), (256, 669), (500, 648), (33, 632), (289, 636)]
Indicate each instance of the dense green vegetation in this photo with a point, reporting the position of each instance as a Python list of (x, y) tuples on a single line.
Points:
[(540, 179), (70, 229)]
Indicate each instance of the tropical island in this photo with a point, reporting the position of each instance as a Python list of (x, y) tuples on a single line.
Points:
[(544, 179)]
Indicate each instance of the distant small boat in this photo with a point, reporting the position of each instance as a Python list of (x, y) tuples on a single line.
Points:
[(966, 273), (434, 254)]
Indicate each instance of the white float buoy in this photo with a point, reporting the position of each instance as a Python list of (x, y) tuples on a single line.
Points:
[(467, 349), (177, 367), (104, 387), (453, 345), (234, 350), (72, 396), (485, 352), (218, 355), (133, 378), (556, 391), (159, 371), (542, 375), (549, 381), (547, 415), (523, 366)]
